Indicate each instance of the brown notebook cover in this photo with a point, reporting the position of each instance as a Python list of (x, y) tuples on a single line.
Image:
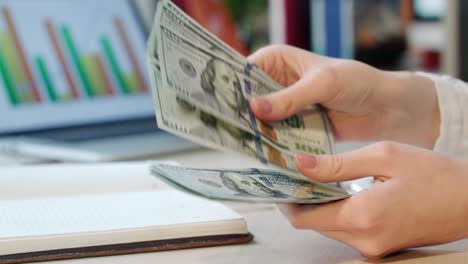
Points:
[(131, 248)]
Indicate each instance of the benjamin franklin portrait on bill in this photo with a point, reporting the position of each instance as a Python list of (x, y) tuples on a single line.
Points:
[(220, 82), (245, 185)]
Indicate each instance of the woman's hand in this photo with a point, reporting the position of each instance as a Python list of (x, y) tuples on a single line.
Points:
[(419, 199), (363, 103)]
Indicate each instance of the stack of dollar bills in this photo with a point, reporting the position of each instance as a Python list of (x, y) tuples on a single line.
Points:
[(202, 89)]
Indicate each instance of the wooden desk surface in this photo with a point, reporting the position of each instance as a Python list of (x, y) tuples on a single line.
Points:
[(275, 240)]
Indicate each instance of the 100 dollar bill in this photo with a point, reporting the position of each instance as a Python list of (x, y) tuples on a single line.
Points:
[(188, 71), (183, 25), (180, 117), (253, 185), (202, 89), (220, 87)]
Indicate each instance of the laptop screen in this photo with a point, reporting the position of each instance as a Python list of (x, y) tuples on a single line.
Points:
[(71, 62)]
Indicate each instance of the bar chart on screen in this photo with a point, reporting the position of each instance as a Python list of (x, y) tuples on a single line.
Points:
[(71, 62), (61, 52)]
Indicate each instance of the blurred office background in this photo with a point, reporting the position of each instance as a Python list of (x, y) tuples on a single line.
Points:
[(425, 35), (389, 34)]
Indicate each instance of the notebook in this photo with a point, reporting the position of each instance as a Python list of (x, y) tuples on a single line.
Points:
[(114, 223)]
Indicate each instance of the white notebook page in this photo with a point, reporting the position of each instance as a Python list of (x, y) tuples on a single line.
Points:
[(54, 223)]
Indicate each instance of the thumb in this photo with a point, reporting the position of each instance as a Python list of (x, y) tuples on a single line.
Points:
[(384, 159), (315, 87)]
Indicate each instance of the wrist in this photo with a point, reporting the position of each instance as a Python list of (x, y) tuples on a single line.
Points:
[(433, 111), (416, 111)]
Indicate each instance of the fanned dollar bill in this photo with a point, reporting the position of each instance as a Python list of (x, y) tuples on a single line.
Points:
[(219, 86), (198, 68), (202, 89), (253, 185), (222, 87), (183, 25), (182, 118)]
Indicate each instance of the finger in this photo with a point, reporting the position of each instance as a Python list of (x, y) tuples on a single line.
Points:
[(323, 217), (281, 62), (383, 160), (328, 220), (314, 88), (265, 58)]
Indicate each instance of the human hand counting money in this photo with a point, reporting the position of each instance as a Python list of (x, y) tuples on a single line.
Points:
[(419, 196), (363, 103), (201, 91)]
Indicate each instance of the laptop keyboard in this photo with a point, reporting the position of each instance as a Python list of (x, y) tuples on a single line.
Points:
[(98, 131)]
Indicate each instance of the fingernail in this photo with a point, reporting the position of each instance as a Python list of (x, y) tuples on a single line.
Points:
[(306, 161), (262, 105)]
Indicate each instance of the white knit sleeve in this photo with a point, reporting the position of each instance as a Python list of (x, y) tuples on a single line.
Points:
[(453, 105)]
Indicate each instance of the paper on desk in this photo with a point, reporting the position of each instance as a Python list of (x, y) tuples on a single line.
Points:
[(52, 180), (91, 220)]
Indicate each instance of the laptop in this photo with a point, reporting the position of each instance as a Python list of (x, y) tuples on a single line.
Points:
[(74, 84)]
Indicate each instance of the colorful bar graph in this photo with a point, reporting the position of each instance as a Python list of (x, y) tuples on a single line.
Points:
[(112, 59), (102, 72), (61, 58), (19, 80), (95, 75), (21, 54), (11, 58), (130, 53), (69, 43), (90, 70), (47, 81), (7, 80), (133, 83), (84, 73)]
